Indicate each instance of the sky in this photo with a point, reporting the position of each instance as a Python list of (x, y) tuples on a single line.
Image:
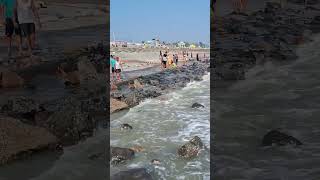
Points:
[(169, 20)]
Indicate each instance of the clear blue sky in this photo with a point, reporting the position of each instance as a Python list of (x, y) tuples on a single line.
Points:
[(170, 20)]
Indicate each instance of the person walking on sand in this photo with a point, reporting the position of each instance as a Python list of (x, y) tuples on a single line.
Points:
[(175, 59), (7, 19), (161, 59), (26, 12), (112, 66), (164, 60), (170, 59), (118, 68), (185, 59)]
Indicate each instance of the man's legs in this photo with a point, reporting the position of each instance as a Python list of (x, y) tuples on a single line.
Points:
[(9, 42), (18, 39), (29, 45), (9, 33), (33, 40)]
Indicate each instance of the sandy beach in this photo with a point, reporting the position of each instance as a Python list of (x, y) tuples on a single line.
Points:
[(139, 58)]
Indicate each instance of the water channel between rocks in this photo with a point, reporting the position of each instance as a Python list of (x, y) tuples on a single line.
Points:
[(163, 124)]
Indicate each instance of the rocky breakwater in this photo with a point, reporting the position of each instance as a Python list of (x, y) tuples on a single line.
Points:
[(269, 35), (31, 124), (130, 93)]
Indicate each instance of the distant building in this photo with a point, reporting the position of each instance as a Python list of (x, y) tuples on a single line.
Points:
[(192, 46), (181, 44), (119, 44)]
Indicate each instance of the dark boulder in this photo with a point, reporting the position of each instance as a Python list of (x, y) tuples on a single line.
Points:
[(133, 174), (191, 149), (197, 105), (125, 127), (155, 161), (278, 138), (120, 155), (70, 125)]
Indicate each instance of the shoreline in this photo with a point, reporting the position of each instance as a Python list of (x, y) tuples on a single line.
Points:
[(130, 93)]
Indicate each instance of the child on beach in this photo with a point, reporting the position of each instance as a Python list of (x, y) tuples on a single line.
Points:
[(118, 67), (26, 11), (7, 19)]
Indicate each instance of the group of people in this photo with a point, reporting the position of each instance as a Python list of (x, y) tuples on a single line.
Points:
[(19, 18), (116, 68), (168, 60)]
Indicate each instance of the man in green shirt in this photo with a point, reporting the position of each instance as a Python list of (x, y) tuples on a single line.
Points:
[(11, 24)]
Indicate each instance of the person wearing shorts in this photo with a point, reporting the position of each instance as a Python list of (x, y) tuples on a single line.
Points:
[(7, 9), (164, 60), (26, 12), (112, 63), (118, 68)]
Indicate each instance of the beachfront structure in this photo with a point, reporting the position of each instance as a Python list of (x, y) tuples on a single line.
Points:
[(154, 43), (192, 46), (119, 44), (181, 44)]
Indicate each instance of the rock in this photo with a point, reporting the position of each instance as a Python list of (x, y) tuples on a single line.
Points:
[(121, 155), (137, 148), (10, 79), (155, 161), (191, 148), (17, 138), (41, 4), (197, 105), (154, 82), (41, 117), (70, 78), (231, 71), (116, 105), (20, 105), (278, 138), (132, 174), (95, 155), (70, 125), (26, 62), (113, 87), (86, 70), (137, 84), (125, 127)]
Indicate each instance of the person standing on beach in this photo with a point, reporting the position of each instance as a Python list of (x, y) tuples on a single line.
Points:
[(161, 59), (198, 57), (176, 59), (112, 65), (7, 19), (164, 60), (118, 68), (185, 59), (26, 12)]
